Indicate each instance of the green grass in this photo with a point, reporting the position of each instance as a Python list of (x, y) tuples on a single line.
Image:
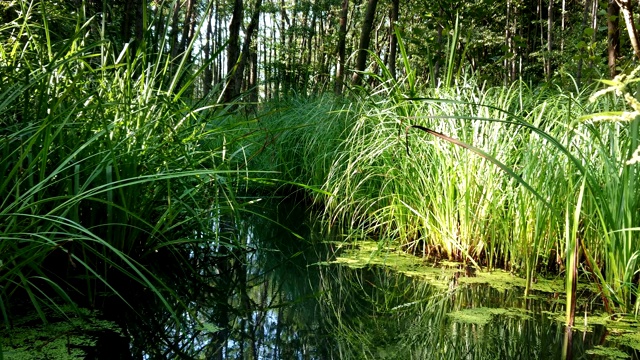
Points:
[(494, 179), (105, 161), (108, 157)]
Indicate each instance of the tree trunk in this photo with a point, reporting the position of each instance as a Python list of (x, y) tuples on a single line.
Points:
[(509, 44), (284, 54), (393, 41), (548, 69), (613, 36), (139, 24), (246, 45), (627, 13), (265, 58), (208, 71), (175, 30), (342, 35), (158, 34), (365, 39), (233, 50), (253, 77), (563, 25), (188, 28), (581, 60)]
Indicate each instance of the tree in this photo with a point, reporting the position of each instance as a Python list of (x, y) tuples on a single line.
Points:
[(548, 70), (393, 41), (342, 35), (627, 13), (233, 50), (613, 36), (365, 40)]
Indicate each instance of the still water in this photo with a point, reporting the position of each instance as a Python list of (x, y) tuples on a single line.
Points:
[(267, 289)]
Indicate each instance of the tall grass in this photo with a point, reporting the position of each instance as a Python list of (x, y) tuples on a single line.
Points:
[(512, 177), (515, 177), (501, 198), (105, 164)]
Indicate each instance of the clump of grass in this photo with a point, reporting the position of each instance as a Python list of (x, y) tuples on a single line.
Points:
[(293, 142), (104, 165), (496, 184)]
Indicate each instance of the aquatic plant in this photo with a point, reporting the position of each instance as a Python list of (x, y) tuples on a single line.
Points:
[(495, 184)]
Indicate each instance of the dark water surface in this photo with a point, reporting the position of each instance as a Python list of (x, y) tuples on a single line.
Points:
[(280, 299)]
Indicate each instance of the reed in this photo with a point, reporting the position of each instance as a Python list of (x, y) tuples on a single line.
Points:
[(107, 165), (494, 185)]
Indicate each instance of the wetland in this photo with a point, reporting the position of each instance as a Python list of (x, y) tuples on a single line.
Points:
[(296, 292)]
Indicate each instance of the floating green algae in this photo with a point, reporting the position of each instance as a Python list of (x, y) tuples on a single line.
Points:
[(623, 331), (482, 315), (608, 352), (66, 338), (631, 340), (369, 253)]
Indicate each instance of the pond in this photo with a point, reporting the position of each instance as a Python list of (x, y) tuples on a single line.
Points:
[(281, 289)]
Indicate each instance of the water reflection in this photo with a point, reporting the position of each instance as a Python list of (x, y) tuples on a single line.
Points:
[(267, 293)]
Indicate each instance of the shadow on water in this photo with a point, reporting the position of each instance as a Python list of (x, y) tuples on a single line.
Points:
[(269, 293)]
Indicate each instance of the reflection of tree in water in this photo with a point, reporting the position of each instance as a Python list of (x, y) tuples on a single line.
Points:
[(250, 297), (261, 293)]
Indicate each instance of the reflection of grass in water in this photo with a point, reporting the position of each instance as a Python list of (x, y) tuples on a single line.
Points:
[(364, 254)]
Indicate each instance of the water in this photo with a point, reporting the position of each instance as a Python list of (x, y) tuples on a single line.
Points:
[(271, 292)]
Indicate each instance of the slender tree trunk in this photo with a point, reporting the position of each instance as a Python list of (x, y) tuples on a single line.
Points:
[(309, 67), (175, 29), (516, 62), (284, 54), (253, 77), (509, 44), (563, 25), (627, 13), (218, 31), (548, 69), (188, 27), (158, 35), (581, 60), (393, 41), (613, 36), (244, 56), (594, 26), (265, 58), (365, 40), (140, 21), (126, 21), (233, 50), (276, 61), (208, 71), (342, 35), (438, 62)]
